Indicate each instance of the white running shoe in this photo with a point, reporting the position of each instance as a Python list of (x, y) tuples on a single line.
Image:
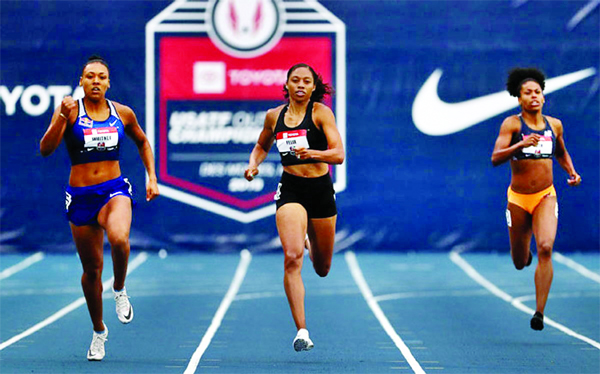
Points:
[(123, 306), (96, 351), (302, 342)]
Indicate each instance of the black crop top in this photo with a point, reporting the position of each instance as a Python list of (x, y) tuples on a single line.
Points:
[(305, 135), (544, 148)]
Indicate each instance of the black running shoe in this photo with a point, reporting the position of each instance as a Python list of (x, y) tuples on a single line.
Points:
[(537, 321), (530, 259)]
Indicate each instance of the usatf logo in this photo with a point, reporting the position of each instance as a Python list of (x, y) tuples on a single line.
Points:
[(214, 68), (245, 28)]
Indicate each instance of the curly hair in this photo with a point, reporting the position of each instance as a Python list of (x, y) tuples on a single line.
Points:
[(518, 76), (321, 88), (95, 58)]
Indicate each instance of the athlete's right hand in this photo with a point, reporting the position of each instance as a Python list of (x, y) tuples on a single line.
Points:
[(250, 173), (67, 105), (531, 140)]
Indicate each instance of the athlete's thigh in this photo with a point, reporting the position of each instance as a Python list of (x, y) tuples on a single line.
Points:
[(519, 229), (545, 220), (89, 241), (115, 216), (321, 232), (291, 220)]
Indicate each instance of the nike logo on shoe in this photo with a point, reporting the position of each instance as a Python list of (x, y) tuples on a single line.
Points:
[(94, 356), (434, 117), (128, 316)]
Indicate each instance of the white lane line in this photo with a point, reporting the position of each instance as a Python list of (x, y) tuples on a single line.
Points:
[(414, 295), (238, 278), (471, 272), (516, 302), (259, 295), (559, 295), (137, 261), (385, 323), (577, 267), (22, 265)]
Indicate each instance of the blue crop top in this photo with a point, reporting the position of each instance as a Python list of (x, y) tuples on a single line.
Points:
[(545, 147), (305, 135), (93, 141)]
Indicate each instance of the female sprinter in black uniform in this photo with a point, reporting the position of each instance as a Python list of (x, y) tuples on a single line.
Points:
[(530, 140), (308, 141), (98, 198)]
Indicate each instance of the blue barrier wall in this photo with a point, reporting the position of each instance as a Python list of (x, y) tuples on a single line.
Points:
[(405, 191)]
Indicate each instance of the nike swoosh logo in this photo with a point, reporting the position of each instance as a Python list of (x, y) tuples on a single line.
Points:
[(434, 117), (115, 194), (112, 124), (128, 316), (92, 355)]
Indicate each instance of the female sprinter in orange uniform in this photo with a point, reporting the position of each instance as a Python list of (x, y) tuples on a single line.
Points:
[(98, 198), (530, 140), (308, 141)]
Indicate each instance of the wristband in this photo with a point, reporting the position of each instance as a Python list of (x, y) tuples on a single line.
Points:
[(62, 115)]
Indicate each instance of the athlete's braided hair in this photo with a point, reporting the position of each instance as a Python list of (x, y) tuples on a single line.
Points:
[(321, 88), (518, 76), (95, 58)]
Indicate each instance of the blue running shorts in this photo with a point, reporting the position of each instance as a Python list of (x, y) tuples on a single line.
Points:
[(82, 204)]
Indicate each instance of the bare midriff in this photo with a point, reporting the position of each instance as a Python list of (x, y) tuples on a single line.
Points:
[(307, 170), (531, 176), (92, 173)]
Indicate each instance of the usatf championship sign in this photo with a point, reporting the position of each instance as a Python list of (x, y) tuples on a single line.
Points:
[(213, 69)]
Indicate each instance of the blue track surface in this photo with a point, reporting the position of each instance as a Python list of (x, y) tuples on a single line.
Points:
[(449, 322)]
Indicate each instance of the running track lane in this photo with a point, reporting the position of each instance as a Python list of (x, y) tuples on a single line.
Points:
[(256, 333), (450, 323)]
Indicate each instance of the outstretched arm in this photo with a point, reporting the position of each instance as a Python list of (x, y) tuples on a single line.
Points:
[(135, 132), (263, 145), (562, 155)]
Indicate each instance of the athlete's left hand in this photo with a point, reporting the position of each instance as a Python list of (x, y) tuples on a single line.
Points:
[(151, 190), (302, 153), (574, 180)]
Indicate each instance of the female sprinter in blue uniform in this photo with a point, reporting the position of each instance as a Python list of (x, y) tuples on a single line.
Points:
[(530, 140), (308, 141), (98, 198)]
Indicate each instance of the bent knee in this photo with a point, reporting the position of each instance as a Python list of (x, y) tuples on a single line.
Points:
[(322, 271), (321, 264), (520, 262)]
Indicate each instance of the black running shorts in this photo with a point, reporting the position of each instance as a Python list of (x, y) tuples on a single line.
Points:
[(316, 195)]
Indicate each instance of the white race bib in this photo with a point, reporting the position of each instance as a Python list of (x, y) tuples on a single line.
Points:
[(544, 146), (100, 139), (288, 141)]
